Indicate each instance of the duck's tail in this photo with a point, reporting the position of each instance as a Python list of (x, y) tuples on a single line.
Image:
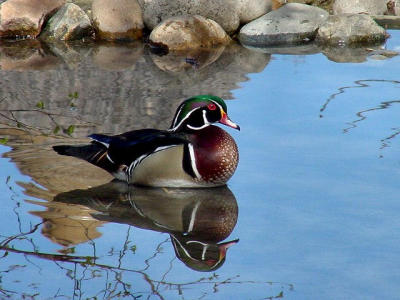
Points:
[(95, 153)]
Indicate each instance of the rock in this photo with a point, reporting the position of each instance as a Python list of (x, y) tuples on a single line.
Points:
[(324, 4), (189, 32), (85, 5), (393, 7), (227, 13), (350, 29), (117, 19), (69, 23), (277, 3), (250, 10), (24, 18), (293, 23), (388, 22), (372, 7), (397, 7)]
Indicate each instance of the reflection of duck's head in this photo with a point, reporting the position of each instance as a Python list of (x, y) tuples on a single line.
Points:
[(199, 255)]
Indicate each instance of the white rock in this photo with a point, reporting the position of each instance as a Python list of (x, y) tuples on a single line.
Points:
[(291, 24)]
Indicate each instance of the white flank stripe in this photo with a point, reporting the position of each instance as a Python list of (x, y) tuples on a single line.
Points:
[(193, 162), (109, 158)]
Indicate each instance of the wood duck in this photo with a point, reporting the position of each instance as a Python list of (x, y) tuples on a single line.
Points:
[(191, 153)]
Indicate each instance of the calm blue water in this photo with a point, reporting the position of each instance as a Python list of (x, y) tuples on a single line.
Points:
[(316, 187)]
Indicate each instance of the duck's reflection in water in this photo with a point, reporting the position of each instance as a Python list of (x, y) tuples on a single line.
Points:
[(198, 220)]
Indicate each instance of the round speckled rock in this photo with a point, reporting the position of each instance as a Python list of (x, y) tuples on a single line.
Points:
[(117, 19), (189, 32)]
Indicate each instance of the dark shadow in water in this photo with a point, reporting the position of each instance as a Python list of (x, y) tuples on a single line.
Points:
[(196, 219), (362, 115)]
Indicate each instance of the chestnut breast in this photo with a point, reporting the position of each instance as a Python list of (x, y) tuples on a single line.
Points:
[(216, 154)]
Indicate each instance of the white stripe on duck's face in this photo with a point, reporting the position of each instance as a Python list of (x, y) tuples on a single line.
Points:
[(196, 115)]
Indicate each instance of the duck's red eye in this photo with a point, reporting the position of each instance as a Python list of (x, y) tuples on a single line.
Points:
[(211, 106)]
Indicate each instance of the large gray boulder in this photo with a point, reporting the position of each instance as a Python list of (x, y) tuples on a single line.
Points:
[(117, 19), (188, 32), (227, 13), (24, 18), (372, 7), (293, 23), (350, 29), (69, 23)]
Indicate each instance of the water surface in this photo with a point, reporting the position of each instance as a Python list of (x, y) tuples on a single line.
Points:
[(313, 203)]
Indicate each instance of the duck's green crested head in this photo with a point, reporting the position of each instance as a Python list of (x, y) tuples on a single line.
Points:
[(199, 112)]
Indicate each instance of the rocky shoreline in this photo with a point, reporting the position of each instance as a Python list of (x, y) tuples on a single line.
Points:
[(183, 24)]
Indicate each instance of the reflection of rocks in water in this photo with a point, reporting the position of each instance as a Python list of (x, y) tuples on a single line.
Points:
[(178, 61), (348, 54), (197, 219), (34, 156), (305, 49), (67, 225), (26, 55), (115, 57), (117, 87)]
